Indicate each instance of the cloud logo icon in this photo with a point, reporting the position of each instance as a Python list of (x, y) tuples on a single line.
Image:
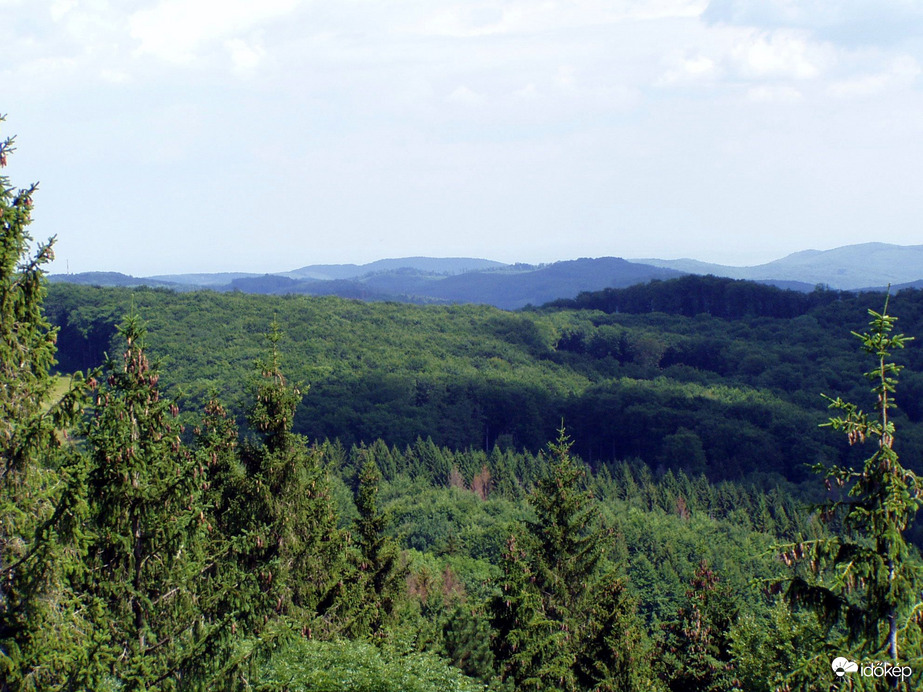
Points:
[(841, 666)]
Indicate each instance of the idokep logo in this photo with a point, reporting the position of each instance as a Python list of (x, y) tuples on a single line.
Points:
[(841, 666)]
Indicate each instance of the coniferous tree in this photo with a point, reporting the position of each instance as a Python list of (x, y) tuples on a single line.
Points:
[(466, 642), (557, 608), (613, 653), (228, 600), (148, 553), (41, 627), (296, 551), (695, 653), (864, 578), (379, 574), (528, 646)]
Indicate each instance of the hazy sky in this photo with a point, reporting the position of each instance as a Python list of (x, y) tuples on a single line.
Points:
[(264, 135)]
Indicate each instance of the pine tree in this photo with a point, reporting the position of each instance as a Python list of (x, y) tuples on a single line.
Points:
[(864, 578), (695, 653), (148, 554), (557, 610), (295, 551), (528, 646), (379, 574), (466, 642), (40, 522)]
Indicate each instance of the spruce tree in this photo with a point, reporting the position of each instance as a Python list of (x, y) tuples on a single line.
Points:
[(466, 642), (226, 603), (560, 618), (528, 646), (863, 577), (380, 576), (295, 550), (41, 627), (613, 650), (148, 555), (695, 651)]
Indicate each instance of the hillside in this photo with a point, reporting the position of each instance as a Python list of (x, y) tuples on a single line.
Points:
[(851, 267), (628, 385)]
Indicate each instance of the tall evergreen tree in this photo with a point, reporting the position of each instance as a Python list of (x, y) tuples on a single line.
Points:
[(695, 652), (466, 642), (380, 576), (227, 601), (148, 553), (557, 611), (40, 523), (528, 646), (613, 651), (863, 577), (296, 551)]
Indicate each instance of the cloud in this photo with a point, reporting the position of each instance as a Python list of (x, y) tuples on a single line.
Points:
[(900, 74), (467, 19), (466, 97), (689, 70), (59, 8), (774, 94), (845, 22), (782, 54), (175, 30), (245, 56)]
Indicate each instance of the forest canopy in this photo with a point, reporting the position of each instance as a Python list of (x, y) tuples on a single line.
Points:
[(230, 492)]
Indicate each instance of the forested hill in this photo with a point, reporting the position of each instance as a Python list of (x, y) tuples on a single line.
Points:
[(727, 397), (692, 295)]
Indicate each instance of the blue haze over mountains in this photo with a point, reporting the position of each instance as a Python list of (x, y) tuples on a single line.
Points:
[(471, 280)]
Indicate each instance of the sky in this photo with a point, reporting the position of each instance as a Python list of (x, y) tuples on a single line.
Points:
[(264, 135)]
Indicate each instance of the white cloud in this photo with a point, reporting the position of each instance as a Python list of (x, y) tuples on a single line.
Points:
[(845, 22), (900, 74), (774, 94), (175, 30), (59, 8), (688, 70), (245, 56), (782, 54), (467, 19), (113, 76), (466, 97)]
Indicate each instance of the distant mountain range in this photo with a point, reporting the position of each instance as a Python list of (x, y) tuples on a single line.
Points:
[(512, 286), (848, 268)]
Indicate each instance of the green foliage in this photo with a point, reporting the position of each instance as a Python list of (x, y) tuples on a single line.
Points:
[(355, 666), (466, 642), (467, 377), (695, 652), (283, 508), (40, 532), (147, 556), (560, 621), (865, 577), (380, 576), (769, 646), (694, 295)]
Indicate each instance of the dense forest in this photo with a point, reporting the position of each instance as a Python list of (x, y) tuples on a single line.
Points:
[(630, 491), (678, 388)]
